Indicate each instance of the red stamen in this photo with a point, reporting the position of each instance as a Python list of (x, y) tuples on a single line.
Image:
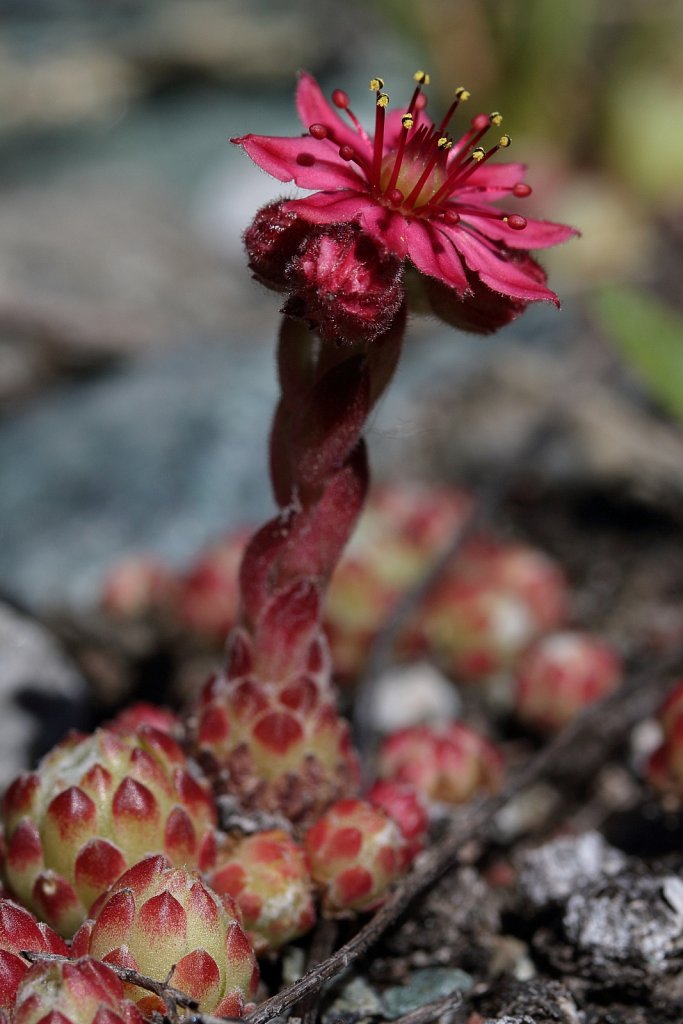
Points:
[(480, 125), (407, 125), (348, 153), (341, 100), (395, 196), (421, 181), (379, 138), (521, 190), (318, 131), (460, 96), (469, 170)]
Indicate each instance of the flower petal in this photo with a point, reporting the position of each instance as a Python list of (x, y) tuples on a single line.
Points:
[(387, 227), (313, 108), (309, 162), (494, 176), (433, 252), (500, 270), (329, 207), (538, 234)]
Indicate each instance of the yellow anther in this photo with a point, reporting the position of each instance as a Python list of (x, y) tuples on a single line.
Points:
[(505, 141), (442, 143), (408, 121), (382, 100), (376, 84), (422, 78), (479, 153), (462, 94), (495, 118)]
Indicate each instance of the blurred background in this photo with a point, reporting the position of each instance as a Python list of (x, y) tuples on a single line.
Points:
[(136, 355)]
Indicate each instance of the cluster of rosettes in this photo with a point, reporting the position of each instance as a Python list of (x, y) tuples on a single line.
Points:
[(665, 767), (495, 598)]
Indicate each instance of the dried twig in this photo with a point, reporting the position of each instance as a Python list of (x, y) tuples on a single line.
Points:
[(444, 1007), (324, 941), (578, 751)]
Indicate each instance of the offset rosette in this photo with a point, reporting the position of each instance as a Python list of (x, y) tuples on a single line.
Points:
[(356, 852), (560, 675), (94, 806), (495, 599), (450, 763), (20, 932), (268, 876), (163, 921), (79, 992)]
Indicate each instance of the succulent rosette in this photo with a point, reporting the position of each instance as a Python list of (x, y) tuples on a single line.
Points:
[(163, 921), (450, 763), (356, 851), (93, 807), (518, 569), (494, 600), (208, 593), (277, 745), (141, 714), (21, 932), (560, 675), (420, 196), (73, 992), (268, 876), (406, 806), (137, 586)]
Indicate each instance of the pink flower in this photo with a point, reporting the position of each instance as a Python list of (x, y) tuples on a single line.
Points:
[(420, 194)]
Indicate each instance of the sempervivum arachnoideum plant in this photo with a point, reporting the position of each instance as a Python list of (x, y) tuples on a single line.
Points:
[(356, 851), (161, 921), (73, 992), (268, 876), (21, 933), (94, 806), (449, 763), (279, 745)]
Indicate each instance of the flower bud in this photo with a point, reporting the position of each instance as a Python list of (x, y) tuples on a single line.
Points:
[(271, 241), (344, 285)]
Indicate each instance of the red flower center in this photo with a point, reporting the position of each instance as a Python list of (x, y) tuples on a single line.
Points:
[(426, 167)]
